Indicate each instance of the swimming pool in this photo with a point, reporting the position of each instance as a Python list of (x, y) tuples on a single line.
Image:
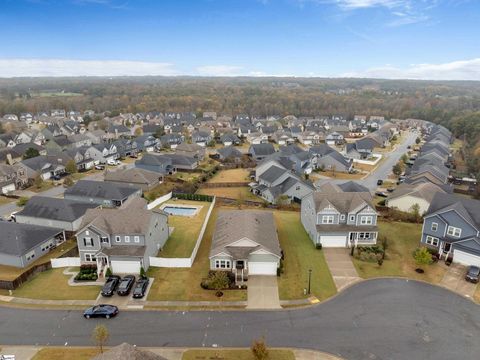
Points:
[(180, 211)]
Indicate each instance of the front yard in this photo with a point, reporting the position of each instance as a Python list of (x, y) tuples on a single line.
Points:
[(53, 285), (300, 256), (63, 353), (241, 193), (183, 284), (230, 175), (235, 354), (186, 230), (403, 239)]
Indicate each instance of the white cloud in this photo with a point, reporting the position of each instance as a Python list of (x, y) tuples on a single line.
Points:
[(220, 70), (361, 4), (455, 70), (60, 67)]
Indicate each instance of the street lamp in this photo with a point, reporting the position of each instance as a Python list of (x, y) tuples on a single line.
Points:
[(309, 279)]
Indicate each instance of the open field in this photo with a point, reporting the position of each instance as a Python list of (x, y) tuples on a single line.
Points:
[(186, 230), (230, 175), (240, 193)]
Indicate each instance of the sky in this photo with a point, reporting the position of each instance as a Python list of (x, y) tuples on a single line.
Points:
[(398, 39)]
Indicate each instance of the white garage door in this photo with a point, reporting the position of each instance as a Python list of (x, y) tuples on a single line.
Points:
[(262, 268), (465, 258), (333, 241), (125, 267)]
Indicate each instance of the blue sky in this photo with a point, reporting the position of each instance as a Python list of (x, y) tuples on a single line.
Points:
[(424, 39)]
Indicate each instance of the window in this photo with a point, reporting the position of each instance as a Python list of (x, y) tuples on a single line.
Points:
[(137, 239), (297, 188), (434, 226), (430, 240), (364, 236), (117, 238), (104, 240), (366, 220), (90, 257), (342, 217), (30, 255), (222, 264), (87, 232), (327, 219), (88, 241), (127, 238), (352, 217), (453, 231)]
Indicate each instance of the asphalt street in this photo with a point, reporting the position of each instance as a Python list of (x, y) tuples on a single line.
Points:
[(377, 319)]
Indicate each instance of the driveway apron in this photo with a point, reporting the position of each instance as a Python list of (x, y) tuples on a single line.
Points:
[(263, 292), (341, 267)]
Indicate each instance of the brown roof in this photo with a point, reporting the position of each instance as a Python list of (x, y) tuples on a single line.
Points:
[(422, 190)]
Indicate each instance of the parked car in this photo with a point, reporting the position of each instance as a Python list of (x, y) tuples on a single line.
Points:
[(125, 285), (134, 156), (102, 310), (110, 285), (56, 177), (113, 162), (379, 182), (140, 288), (99, 167), (473, 274)]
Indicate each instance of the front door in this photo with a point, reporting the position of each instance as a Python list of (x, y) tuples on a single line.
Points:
[(240, 264), (446, 248)]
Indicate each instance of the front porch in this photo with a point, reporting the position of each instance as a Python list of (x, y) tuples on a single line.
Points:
[(362, 238)]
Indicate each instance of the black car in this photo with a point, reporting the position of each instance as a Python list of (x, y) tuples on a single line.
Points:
[(473, 274), (379, 182), (140, 288), (110, 285), (125, 285), (102, 310)]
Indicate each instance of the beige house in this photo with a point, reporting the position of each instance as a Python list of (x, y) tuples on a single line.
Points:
[(407, 195)]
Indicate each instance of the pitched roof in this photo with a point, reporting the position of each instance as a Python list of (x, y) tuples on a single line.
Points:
[(262, 149), (256, 225), (272, 173), (133, 176), (468, 208), (424, 190), (17, 239), (55, 209), (127, 352), (344, 202), (100, 189)]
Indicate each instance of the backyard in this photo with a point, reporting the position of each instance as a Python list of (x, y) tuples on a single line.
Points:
[(300, 257), (240, 193), (183, 284), (230, 175), (403, 239), (185, 230)]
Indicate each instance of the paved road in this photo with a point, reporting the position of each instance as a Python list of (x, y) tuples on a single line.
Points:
[(378, 319)]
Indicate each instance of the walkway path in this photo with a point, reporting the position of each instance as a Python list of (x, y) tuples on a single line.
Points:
[(341, 267)]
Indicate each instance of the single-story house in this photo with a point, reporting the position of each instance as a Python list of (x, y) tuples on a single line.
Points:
[(140, 178), (101, 193)]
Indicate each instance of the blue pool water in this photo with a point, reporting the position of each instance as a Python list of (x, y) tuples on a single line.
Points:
[(179, 211)]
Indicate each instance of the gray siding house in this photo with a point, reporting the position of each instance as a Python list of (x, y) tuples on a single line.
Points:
[(101, 193), (22, 244), (340, 219), (122, 239), (452, 227), (245, 243)]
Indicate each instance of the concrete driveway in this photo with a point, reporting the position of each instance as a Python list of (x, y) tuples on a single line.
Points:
[(341, 267), (454, 279), (263, 292)]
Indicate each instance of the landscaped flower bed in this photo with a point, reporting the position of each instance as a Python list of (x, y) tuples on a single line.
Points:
[(87, 273)]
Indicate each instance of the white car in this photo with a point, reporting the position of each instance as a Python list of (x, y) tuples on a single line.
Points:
[(113, 162)]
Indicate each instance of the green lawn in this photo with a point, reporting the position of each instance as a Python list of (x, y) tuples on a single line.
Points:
[(52, 285), (184, 284), (235, 354), (186, 230), (403, 239), (300, 256), (240, 193), (65, 353)]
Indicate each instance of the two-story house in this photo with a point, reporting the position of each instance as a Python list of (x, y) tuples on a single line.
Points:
[(340, 219), (122, 239), (452, 227)]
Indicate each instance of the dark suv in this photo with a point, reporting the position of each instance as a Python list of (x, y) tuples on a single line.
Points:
[(473, 274), (110, 285), (125, 285), (140, 288)]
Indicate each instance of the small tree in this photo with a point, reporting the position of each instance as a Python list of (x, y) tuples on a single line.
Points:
[(415, 210), (68, 181), (138, 131), (259, 349), (384, 242), (71, 167), (422, 257), (397, 169), (30, 153), (100, 336), (211, 143), (38, 182), (22, 201), (417, 140), (404, 158), (143, 274)]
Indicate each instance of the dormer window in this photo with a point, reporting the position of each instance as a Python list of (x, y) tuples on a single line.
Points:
[(327, 219), (342, 217)]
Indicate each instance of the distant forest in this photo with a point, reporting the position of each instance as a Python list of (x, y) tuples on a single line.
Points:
[(455, 104)]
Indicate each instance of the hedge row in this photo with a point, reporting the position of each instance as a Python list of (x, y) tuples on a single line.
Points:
[(194, 197)]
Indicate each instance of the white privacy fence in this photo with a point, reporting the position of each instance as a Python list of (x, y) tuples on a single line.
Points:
[(378, 157), (65, 262), (159, 200), (184, 262)]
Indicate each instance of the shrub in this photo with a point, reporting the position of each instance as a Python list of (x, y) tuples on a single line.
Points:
[(259, 349), (218, 280), (422, 257), (318, 246), (108, 272), (22, 201), (142, 272)]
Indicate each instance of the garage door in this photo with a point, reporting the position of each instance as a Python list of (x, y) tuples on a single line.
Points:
[(262, 268), (125, 267), (333, 241), (465, 258)]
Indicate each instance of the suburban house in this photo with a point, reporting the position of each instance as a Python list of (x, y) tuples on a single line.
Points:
[(22, 244), (101, 193), (340, 219), (452, 227), (405, 196), (260, 151), (101, 153), (122, 239), (43, 166), (171, 140), (229, 139), (191, 150), (12, 177), (229, 153), (156, 163), (146, 143), (140, 178), (245, 242), (329, 159), (53, 212), (201, 138)]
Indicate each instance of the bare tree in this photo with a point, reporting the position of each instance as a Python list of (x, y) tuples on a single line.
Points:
[(100, 336)]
